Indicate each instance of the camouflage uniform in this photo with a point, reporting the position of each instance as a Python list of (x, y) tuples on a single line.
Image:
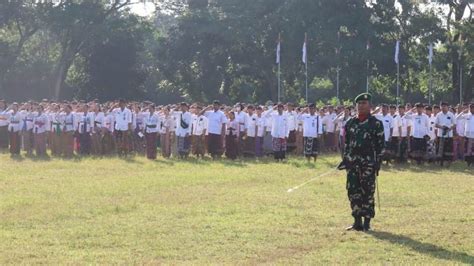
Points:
[(364, 145)]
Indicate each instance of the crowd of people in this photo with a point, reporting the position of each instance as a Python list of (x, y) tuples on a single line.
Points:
[(420, 133)]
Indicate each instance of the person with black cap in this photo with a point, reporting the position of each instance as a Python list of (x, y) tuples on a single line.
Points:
[(216, 129), (312, 130), (364, 144), (420, 125), (445, 122)]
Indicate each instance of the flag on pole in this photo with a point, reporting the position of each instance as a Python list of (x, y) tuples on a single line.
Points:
[(430, 55), (397, 51), (305, 52), (278, 50)]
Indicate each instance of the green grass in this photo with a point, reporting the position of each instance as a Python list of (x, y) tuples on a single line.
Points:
[(167, 211)]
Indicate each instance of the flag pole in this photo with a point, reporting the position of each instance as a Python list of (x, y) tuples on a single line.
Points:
[(367, 78), (431, 86), (460, 73), (306, 64), (430, 60), (398, 83), (337, 84), (279, 62)]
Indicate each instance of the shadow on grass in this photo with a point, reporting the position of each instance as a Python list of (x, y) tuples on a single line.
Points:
[(424, 248)]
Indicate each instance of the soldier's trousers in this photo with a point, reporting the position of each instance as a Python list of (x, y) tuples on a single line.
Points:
[(361, 189)]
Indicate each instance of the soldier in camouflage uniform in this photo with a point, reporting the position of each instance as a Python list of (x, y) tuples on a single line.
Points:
[(364, 145)]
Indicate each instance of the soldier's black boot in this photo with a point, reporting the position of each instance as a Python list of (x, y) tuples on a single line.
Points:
[(366, 224), (357, 226)]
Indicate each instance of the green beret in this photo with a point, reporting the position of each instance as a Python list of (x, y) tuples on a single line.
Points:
[(363, 97)]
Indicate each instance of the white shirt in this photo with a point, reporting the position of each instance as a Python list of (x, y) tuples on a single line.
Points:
[(448, 120), (122, 118), (27, 120), (57, 121), (199, 125), (186, 118), (241, 118), (69, 122), (152, 123), (15, 122), (261, 122), (109, 122), (215, 121), (292, 118), (4, 115), (387, 121), (403, 123), (432, 128), (328, 122), (40, 123), (98, 121), (420, 125), (469, 125), (280, 126), (85, 123), (251, 125), (460, 125), (312, 125)]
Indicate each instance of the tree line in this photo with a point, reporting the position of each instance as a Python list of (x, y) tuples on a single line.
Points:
[(200, 50)]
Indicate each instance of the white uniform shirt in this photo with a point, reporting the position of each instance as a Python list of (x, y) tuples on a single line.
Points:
[(69, 122), (420, 125), (215, 121), (251, 125), (432, 127), (280, 126), (152, 123), (387, 121), (4, 115), (122, 118), (328, 122), (403, 123), (312, 125), (109, 120), (448, 120), (98, 121), (85, 123), (241, 118), (40, 123), (199, 125), (469, 125), (460, 125), (186, 118), (261, 122), (15, 122)]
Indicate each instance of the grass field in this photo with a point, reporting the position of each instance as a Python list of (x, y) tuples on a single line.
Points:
[(137, 211)]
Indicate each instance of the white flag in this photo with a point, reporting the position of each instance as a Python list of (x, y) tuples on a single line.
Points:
[(430, 55), (397, 51), (278, 53), (305, 54)]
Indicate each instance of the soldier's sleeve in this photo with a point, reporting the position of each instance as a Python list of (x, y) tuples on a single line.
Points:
[(379, 138), (347, 140)]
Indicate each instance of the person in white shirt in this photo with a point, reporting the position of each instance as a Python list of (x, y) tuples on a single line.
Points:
[(342, 119), (292, 117), (388, 122), (14, 129), (123, 127), (250, 133), (260, 132), (420, 126), (199, 132), (68, 129), (152, 126), (267, 138), (27, 140), (241, 117), (330, 128), (312, 130), (138, 127), (216, 129), (401, 133), (55, 118), (469, 134), (85, 124), (459, 140), (40, 122), (232, 133), (183, 131), (107, 138), (4, 115), (445, 122), (96, 136), (280, 133)]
